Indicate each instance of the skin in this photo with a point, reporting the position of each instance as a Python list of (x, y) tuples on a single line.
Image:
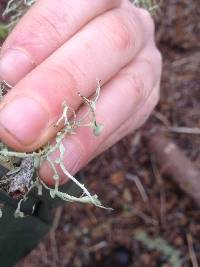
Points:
[(55, 52)]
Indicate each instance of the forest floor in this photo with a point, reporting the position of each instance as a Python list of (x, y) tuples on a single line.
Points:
[(128, 178)]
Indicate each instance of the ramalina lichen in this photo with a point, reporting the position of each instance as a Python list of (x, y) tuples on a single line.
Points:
[(21, 176)]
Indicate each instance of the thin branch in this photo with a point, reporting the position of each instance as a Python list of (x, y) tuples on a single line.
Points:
[(139, 185), (185, 130), (175, 164), (192, 254), (54, 247), (159, 180)]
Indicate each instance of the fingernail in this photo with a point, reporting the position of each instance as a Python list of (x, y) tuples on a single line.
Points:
[(24, 119), (14, 65)]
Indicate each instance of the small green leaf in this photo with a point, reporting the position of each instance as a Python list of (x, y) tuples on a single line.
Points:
[(3, 31)]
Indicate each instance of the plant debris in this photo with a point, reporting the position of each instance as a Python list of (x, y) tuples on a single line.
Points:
[(21, 178)]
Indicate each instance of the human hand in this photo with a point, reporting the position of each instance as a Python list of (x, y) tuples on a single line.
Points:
[(61, 48)]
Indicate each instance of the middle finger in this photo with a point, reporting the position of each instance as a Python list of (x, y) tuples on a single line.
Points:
[(73, 67)]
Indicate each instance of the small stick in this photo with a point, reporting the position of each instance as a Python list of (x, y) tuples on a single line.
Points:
[(185, 130), (139, 185), (147, 219), (158, 177), (54, 247), (176, 165), (191, 251)]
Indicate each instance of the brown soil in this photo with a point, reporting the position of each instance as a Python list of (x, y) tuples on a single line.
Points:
[(90, 237)]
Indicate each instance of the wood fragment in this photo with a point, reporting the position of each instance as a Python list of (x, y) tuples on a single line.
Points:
[(21, 180), (176, 165)]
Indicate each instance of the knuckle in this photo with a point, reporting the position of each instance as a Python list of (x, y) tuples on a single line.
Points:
[(152, 58), (155, 62), (148, 21), (32, 34), (146, 24), (158, 57), (48, 26), (70, 78), (144, 20), (66, 81), (119, 32), (33, 41), (138, 85)]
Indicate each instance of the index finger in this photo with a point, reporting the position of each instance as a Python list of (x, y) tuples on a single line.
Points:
[(45, 27)]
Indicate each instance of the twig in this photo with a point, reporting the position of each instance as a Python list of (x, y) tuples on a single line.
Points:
[(57, 217), (54, 247), (159, 116), (175, 129), (139, 185), (192, 254), (98, 246), (185, 130), (43, 251), (158, 177), (175, 164), (144, 217)]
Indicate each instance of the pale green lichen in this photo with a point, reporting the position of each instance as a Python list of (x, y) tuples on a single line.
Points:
[(169, 252), (15, 9), (68, 126), (150, 5)]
